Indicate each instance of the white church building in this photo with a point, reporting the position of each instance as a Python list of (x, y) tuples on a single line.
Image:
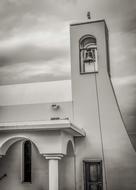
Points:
[(67, 135)]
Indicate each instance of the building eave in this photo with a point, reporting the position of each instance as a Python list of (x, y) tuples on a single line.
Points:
[(56, 125)]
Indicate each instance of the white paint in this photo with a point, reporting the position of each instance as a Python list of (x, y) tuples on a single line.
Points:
[(33, 93)]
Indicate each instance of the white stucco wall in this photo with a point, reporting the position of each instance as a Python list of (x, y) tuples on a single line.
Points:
[(32, 112), (34, 93)]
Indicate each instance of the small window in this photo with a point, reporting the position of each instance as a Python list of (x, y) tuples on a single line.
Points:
[(93, 179), (88, 54), (27, 161)]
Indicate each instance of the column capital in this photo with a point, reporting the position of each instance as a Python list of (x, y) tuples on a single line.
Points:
[(53, 156)]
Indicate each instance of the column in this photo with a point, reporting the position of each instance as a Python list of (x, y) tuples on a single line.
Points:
[(53, 171)]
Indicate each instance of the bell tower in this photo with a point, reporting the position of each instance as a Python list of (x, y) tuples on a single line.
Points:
[(90, 41), (95, 109), (89, 60)]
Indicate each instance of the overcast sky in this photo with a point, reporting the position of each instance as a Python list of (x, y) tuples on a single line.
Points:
[(35, 45)]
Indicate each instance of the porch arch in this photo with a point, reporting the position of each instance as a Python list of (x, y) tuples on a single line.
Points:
[(7, 143)]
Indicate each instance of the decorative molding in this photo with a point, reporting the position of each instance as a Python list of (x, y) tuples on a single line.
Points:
[(53, 156)]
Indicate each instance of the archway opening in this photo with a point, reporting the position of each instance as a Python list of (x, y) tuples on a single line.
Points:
[(70, 149), (23, 164), (67, 168)]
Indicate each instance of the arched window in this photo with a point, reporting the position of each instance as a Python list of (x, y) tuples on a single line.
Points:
[(88, 54), (27, 161)]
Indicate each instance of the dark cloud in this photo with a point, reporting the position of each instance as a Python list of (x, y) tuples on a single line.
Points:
[(130, 25), (22, 15), (31, 54), (35, 78), (24, 72)]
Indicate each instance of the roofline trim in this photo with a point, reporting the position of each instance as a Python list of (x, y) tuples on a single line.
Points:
[(88, 22)]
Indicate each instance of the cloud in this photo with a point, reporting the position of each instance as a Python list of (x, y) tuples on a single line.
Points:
[(123, 54), (125, 88), (32, 54), (20, 14), (40, 71), (127, 80)]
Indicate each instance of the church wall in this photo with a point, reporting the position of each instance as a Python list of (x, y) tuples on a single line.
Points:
[(31, 112)]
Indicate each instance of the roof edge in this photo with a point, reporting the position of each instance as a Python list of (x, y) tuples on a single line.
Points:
[(88, 22)]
